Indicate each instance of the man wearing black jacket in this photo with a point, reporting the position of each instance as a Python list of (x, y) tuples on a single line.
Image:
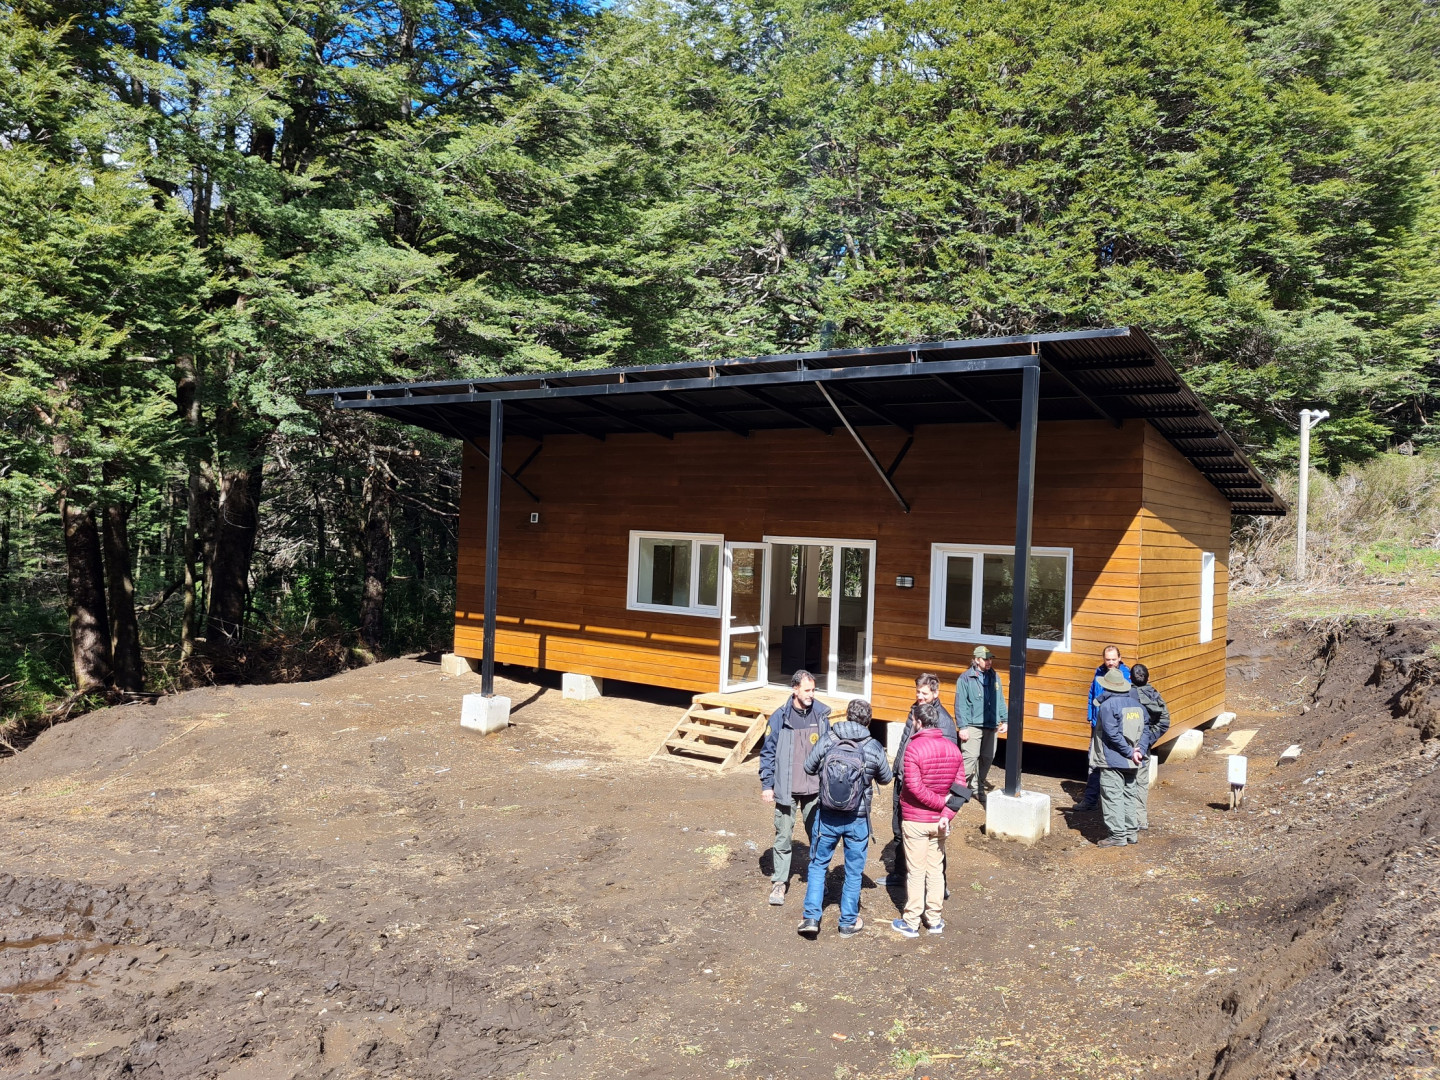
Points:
[(794, 730)]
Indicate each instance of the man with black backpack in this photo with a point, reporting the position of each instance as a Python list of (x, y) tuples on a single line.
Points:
[(848, 761)]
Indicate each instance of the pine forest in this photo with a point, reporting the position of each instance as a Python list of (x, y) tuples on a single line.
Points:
[(209, 208)]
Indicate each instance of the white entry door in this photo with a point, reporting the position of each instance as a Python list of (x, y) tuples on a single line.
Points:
[(745, 617)]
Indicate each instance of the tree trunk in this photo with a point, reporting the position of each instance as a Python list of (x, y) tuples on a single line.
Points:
[(89, 625), (5, 557), (379, 549), (236, 524), (129, 669), (199, 503), (199, 499)]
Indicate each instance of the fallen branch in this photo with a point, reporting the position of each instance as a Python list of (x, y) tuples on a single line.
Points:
[(170, 591)]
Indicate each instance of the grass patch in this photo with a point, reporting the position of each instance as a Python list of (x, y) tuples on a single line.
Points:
[(1393, 557), (719, 855), (909, 1060)]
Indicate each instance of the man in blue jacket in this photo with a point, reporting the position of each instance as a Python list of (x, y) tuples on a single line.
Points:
[(795, 729), (1111, 660), (863, 765)]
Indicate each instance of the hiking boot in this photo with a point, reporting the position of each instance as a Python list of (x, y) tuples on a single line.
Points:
[(1087, 805), (809, 928), (777, 894), (936, 927), (1134, 838), (851, 929), (1114, 841), (904, 929)]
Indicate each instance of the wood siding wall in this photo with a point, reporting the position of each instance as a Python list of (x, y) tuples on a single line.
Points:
[(562, 581), (1183, 516)]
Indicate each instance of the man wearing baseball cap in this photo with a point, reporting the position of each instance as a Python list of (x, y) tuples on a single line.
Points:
[(1118, 746), (981, 716)]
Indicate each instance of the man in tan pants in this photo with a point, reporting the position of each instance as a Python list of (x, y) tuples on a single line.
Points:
[(932, 765)]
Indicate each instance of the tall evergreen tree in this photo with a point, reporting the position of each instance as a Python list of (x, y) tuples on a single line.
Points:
[(854, 173)]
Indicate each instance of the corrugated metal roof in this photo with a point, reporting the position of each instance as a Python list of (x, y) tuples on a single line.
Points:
[(1116, 374)]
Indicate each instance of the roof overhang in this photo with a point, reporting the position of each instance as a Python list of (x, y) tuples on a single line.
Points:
[(1114, 374)]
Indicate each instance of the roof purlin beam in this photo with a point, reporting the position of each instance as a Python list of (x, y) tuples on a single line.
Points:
[(936, 348), (785, 410), (674, 402), (1105, 413), (961, 396), (624, 418), (977, 365), (564, 425), (865, 449)]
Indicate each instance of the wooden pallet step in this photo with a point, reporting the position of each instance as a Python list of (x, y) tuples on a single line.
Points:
[(742, 723), (715, 716), (728, 702), (710, 731), (693, 762), (718, 731), (719, 753)]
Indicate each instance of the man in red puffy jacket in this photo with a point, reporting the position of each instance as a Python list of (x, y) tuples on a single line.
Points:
[(933, 764)]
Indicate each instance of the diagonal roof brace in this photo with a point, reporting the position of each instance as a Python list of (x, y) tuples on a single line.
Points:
[(865, 449), (1104, 412), (512, 477), (884, 415)]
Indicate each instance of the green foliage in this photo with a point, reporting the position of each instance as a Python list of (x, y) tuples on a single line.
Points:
[(95, 280), (1378, 520), (852, 175), (206, 210)]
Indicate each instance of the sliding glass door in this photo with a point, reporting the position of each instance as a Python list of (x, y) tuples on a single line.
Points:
[(821, 608)]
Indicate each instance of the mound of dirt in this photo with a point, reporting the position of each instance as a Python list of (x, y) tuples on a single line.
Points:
[(332, 880), (1345, 981)]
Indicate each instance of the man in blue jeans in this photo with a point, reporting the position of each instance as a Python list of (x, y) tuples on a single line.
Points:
[(849, 763)]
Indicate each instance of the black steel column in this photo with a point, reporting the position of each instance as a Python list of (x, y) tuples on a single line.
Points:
[(1020, 612), (492, 547)]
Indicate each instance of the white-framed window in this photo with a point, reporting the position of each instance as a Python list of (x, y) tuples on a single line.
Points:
[(678, 573), (971, 593), (1207, 595)]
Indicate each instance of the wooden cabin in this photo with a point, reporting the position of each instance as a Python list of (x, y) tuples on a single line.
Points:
[(711, 527)]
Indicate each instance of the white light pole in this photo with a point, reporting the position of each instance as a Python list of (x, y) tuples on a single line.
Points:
[(1308, 419)]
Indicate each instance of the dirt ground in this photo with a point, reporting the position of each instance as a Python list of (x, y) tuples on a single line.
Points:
[(331, 879)]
